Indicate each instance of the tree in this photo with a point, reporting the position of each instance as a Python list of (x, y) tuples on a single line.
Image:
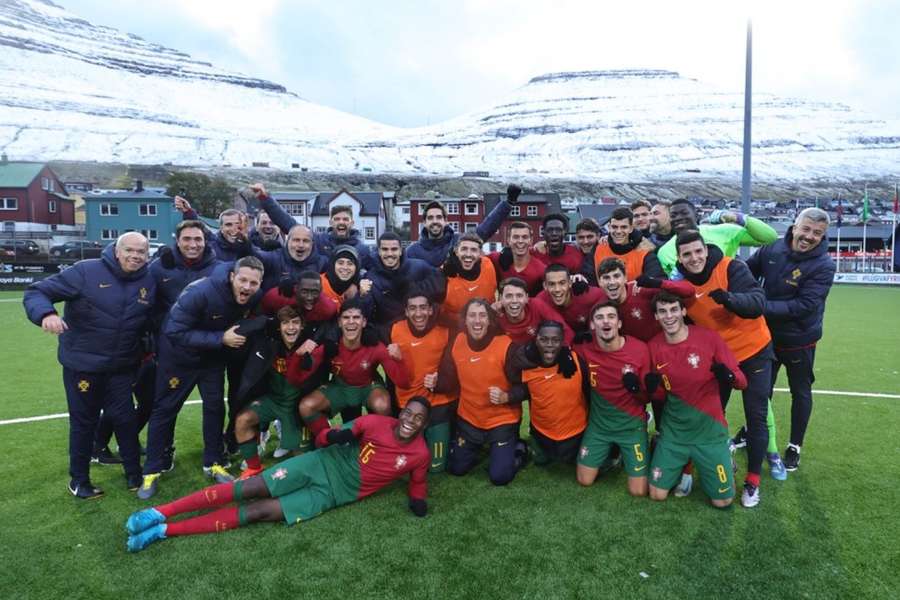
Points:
[(208, 196)]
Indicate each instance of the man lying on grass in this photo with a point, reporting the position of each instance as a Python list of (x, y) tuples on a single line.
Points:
[(372, 452)]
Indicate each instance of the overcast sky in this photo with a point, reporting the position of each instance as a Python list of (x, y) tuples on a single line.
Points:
[(411, 63)]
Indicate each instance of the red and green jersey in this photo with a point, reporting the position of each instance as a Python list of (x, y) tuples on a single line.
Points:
[(535, 311), (532, 274), (613, 408), (378, 459), (578, 311), (357, 367), (285, 376), (636, 312), (693, 410), (324, 309), (570, 257)]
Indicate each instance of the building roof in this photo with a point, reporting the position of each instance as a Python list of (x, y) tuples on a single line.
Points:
[(370, 202), (126, 195), (598, 212), (551, 199), (295, 196), (19, 174)]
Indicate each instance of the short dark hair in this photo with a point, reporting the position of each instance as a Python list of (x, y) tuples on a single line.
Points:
[(435, 204), (389, 236), (308, 274), (588, 224), (424, 402), (286, 313), (230, 212), (645, 203), (188, 223), (622, 212), (513, 281), (556, 268), (684, 201), (556, 217), (352, 304), (664, 297), (551, 323), (686, 237), (604, 304), (610, 264), (518, 225), (469, 236), (251, 262), (339, 208)]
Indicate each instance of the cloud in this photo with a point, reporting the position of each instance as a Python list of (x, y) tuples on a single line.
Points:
[(244, 24)]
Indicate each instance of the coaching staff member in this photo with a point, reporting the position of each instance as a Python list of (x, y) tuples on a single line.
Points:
[(109, 302)]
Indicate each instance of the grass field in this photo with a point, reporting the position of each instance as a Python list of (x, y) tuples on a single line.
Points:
[(829, 531)]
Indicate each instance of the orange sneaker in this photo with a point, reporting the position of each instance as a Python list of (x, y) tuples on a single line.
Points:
[(250, 472)]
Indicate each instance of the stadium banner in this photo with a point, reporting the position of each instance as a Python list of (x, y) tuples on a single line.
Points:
[(18, 276), (868, 278)]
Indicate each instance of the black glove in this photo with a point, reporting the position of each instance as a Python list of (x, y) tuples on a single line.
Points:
[(452, 266), (512, 193), (720, 296), (249, 326), (631, 382), (166, 257), (340, 436), (652, 381), (582, 337), (645, 281), (506, 259), (369, 336), (566, 363), (306, 363), (418, 506), (580, 287), (286, 287), (723, 374)]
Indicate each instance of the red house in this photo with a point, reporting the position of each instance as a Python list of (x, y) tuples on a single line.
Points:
[(32, 193), (531, 208)]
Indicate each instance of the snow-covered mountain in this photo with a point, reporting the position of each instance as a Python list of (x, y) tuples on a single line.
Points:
[(76, 91)]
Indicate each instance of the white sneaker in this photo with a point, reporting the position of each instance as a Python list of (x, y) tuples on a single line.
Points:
[(750, 496), (280, 452), (263, 440), (684, 488), (277, 424)]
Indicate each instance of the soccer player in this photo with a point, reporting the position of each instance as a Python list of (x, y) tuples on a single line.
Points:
[(691, 363), (274, 377), (515, 259), (561, 295), (476, 369), (628, 246), (373, 452), (422, 342), (640, 209), (728, 300), (587, 236), (519, 315), (796, 273), (469, 275), (553, 250), (199, 335), (353, 369), (109, 304), (437, 239), (555, 383), (616, 366)]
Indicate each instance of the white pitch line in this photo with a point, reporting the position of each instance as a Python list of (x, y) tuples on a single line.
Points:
[(57, 416), (10, 299)]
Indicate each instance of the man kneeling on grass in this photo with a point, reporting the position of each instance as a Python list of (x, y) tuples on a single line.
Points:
[(372, 452)]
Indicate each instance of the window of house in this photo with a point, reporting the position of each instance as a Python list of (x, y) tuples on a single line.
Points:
[(150, 234), (420, 208), (471, 208), (109, 234), (147, 210), (295, 209), (452, 208), (370, 233), (321, 229), (9, 204), (405, 210), (454, 225), (109, 210), (471, 226), (51, 205), (45, 183), (532, 211), (51, 187), (514, 211)]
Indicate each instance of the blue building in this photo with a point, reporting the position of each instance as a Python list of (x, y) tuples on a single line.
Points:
[(108, 215)]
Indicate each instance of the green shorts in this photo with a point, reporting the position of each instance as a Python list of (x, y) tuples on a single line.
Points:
[(597, 443), (292, 435), (340, 395), (712, 462), (301, 486)]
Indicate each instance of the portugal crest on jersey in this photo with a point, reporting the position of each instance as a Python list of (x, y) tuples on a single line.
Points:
[(627, 369), (693, 360), (656, 473), (279, 474), (636, 313), (400, 462)]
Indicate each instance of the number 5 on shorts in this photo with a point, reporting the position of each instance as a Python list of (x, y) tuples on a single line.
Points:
[(637, 453)]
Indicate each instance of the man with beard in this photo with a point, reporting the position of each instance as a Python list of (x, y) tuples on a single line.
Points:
[(692, 363), (629, 246), (729, 232), (515, 259), (230, 242), (476, 368), (469, 275), (197, 340), (265, 235), (554, 250), (341, 280), (341, 233), (275, 376), (616, 366), (660, 225), (354, 381), (437, 239), (555, 384), (562, 295), (358, 461), (519, 316), (640, 210), (796, 273), (108, 306), (728, 300), (422, 343)]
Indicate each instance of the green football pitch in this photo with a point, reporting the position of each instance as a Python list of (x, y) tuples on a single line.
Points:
[(829, 531)]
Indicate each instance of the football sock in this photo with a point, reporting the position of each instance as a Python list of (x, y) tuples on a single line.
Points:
[(214, 495), (752, 478), (688, 468), (770, 423), (317, 424), (214, 522)]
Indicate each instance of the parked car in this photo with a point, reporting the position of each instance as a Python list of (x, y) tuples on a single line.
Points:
[(20, 247), (81, 249)]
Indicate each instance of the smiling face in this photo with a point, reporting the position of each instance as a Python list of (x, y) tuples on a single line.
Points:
[(231, 227), (342, 223), (613, 283), (619, 230), (300, 243), (419, 312), (351, 323), (468, 253), (308, 292), (410, 421), (558, 287), (434, 222), (477, 321), (605, 324), (681, 217), (132, 252), (692, 256), (659, 219), (290, 331), (520, 240), (264, 225), (586, 240), (244, 283), (641, 217), (670, 316), (554, 233), (191, 243), (389, 251), (344, 268), (514, 299), (807, 234), (549, 340)]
